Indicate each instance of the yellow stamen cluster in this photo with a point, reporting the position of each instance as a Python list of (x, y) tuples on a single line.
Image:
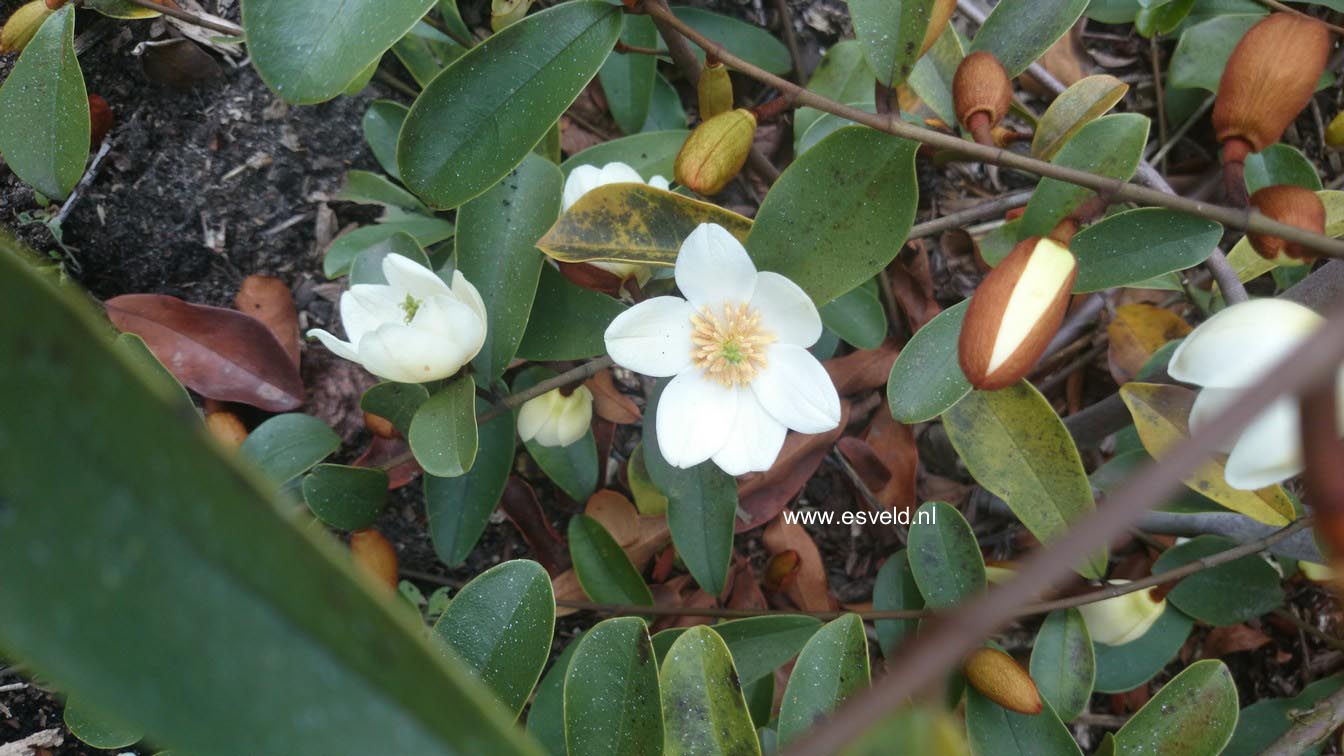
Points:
[(729, 348)]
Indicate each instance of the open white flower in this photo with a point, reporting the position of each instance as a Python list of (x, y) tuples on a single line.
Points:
[(414, 328), (1123, 619), (554, 419), (1232, 351), (586, 178), (737, 346)]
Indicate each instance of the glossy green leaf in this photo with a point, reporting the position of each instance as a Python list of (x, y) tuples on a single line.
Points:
[(310, 50), (895, 589), (1193, 715), (932, 76), (842, 75), (760, 697), (286, 446), (1130, 247), (1122, 668), (944, 557), (839, 213), (501, 625), (704, 713), (425, 51), (926, 379), (459, 508), (611, 692), (665, 110), (648, 499), (1280, 164), (94, 728), (567, 320), (347, 247), (497, 235), (828, 124), (832, 667), (1110, 146), (996, 731), (1203, 50), (1266, 720), (653, 224), (367, 267), (1018, 32), (443, 432), (701, 510), (1229, 594), (651, 154), (603, 569), (759, 645), (1063, 664), (575, 468), (381, 125), (627, 79), (747, 41), (1083, 102), (892, 34), (546, 715), (344, 497), (192, 535), (478, 119), (1015, 446), (44, 110), (135, 349), (857, 317), (368, 188), (395, 402), (452, 20)]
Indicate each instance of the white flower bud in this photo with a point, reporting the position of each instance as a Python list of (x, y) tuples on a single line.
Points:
[(554, 419)]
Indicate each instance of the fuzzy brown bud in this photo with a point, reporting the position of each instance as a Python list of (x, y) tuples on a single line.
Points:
[(1269, 79), (715, 91), (376, 554), (100, 120), (23, 25), (716, 151), (1295, 206), (982, 94), (1015, 312), (998, 677), (227, 429), (380, 426)]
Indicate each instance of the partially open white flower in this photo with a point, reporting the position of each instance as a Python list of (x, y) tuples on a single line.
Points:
[(414, 328), (1120, 620), (554, 419), (737, 346), (1232, 351), (586, 178)]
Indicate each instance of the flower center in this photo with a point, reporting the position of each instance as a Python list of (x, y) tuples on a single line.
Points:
[(410, 306), (729, 347)]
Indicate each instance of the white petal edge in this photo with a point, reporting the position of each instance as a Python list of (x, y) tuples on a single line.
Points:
[(408, 355), (406, 275), (534, 413), (1237, 345), (796, 390), (785, 309), (337, 347), (1269, 451), (754, 441), (713, 268), (653, 337), (694, 417), (581, 180)]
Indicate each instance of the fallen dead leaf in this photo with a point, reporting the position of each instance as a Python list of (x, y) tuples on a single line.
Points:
[(519, 504), (608, 401), (269, 300), (384, 450), (1232, 639), (894, 444), (862, 370), (1136, 332), (809, 590), (763, 496), (912, 285)]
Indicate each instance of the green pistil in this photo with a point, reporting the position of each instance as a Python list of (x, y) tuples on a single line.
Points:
[(732, 353), (410, 307)]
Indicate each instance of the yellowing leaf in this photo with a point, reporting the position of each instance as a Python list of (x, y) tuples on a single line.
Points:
[(1161, 413), (633, 223), (1138, 331), (1249, 264), (1075, 107)]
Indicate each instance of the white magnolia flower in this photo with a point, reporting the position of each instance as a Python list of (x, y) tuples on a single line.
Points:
[(1232, 351), (554, 419), (1125, 618), (414, 328), (586, 178), (737, 346)]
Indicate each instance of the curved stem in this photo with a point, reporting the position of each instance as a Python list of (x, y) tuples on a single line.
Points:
[(219, 25)]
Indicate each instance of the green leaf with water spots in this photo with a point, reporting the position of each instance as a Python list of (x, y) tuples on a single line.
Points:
[(443, 433), (1110, 146), (926, 379), (285, 446), (611, 697), (627, 78), (996, 731), (1063, 664), (1018, 32), (459, 508), (892, 34), (945, 559), (1193, 715), (704, 712), (1136, 245), (345, 497), (604, 571), (831, 668)]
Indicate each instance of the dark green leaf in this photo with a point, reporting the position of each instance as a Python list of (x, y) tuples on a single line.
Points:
[(1018, 32), (567, 321), (842, 75), (1122, 668), (650, 154), (944, 558), (1203, 50), (926, 379), (443, 432), (892, 34), (348, 498), (367, 188), (996, 731), (1280, 164), (1133, 246), (627, 78), (395, 402), (459, 508), (894, 590), (838, 214), (347, 247), (501, 625), (367, 267), (44, 110), (426, 51), (1110, 146), (574, 467), (1193, 715), (747, 41), (382, 123), (546, 716), (1063, 664), (1264, 721), (96, 729), (857, 317), (287, 445), (603, 569), (1228, 594), (138, 352), (611, 692), (486, 111), (759, 645), (932, 76), (832, 667), (665, 111), (704, 713), (310, 50)]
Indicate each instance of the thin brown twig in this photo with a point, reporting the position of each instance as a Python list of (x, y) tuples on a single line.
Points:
[(791, 40), (1310, 727), (987, 209), (221, 26)]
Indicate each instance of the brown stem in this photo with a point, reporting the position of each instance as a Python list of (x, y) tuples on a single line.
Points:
[(770, 108), (221, 26), (982, 131), (791, 40), (1235, 151), (1323, 456), (622, 47)]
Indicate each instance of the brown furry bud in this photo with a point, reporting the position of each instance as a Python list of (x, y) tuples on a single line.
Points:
[(1295, 206), (101, 120), (1015, 312), (716, 151), (374, 553), (23, 25), (715, 91), (227, 429), (380, 426), (998, 677), (1269, 78), (982, 94)]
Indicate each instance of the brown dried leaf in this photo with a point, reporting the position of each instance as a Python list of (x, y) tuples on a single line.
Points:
[(745, 592), (809, 590), (894, 444), (912, 285), (1232, 639), (763, 496), (608, 401), (384, 450), (520, 505), (1138, 331), (862, 370), (218, 353), (269, 300), (591, 277)]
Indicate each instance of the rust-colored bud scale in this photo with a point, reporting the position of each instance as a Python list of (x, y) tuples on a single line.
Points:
[(1269, 79), (715, 91), (1295, 206), (1015, 312), (376, 554), (982, 94), (716, 151), (226, 428), (998, 677), (100, 120)]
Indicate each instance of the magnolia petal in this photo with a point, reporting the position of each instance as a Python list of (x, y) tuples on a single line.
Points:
[(1236, 346), (785, 309), (1123, 619), (658, 182), (535, 413), (453, 321), (694, 417), (1269, 451), (653, 337), (337, 347), (617, 172), (713, 268), (581, 180), (754, 441), (574, 418), (364, 307), (400, 353), (410, 277), (796, 390), (1209, 403)]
